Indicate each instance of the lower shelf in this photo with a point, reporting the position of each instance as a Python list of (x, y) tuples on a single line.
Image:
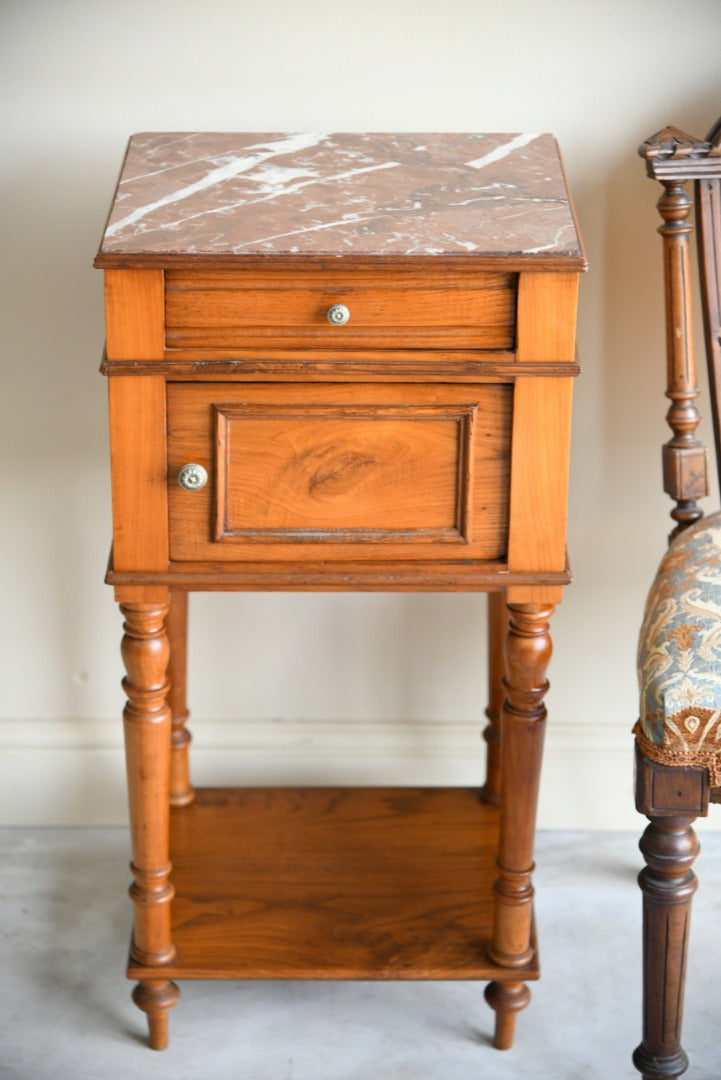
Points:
[(333, 883)]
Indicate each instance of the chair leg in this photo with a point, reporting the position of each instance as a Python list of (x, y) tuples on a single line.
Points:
[(672, 798)]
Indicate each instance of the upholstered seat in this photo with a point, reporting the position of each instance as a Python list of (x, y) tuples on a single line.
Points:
[(679, 654)]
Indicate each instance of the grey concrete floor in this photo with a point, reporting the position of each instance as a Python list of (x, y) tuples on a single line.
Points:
[(65, 1009)]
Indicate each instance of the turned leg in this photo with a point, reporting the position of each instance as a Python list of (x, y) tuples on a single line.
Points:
[(181, 791), (497, 630), (147, 728), (506, 999), (672, 798), (528, 651), (156, 997)]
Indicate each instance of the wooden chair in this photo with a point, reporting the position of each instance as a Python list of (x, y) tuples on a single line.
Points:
[(678, 734)]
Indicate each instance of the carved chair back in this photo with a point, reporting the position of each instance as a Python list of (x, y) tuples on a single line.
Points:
[(675, 158)]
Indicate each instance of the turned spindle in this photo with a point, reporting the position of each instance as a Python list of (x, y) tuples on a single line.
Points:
[(147, 725), (527, 654), (181, 790)]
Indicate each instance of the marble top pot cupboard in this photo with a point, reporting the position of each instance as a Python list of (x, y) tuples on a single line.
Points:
[(337, 362)]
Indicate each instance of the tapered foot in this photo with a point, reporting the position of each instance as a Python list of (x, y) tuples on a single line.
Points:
[(507, 1000), (155, 997)]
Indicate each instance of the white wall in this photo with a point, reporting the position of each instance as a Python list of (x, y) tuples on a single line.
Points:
[(358, 688)]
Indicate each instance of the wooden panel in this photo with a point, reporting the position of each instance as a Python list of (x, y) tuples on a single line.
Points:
[(387, 309), (134, 314), (139, 472), (333, 884), (343, 472), (334, 471), (539, 478), (547, 317)]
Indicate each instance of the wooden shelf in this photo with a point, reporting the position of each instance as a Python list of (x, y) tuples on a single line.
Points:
[(333, 883)]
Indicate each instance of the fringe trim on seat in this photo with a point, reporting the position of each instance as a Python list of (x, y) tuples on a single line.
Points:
[(703, 759)]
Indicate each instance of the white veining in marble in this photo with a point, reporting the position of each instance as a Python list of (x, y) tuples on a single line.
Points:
[(232, 167), (337, 194), (274, 189), (502, 151)]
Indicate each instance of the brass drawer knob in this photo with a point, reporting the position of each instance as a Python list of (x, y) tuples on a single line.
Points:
[(192, 477), (338, 314)]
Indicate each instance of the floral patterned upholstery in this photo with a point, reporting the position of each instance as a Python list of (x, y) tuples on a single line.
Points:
[(679, 654)]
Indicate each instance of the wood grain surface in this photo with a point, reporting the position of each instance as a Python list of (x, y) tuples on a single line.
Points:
[(333, 883), (387, 309), (331, 470)]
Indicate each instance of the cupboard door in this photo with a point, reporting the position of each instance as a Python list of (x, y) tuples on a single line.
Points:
[(333, 471)]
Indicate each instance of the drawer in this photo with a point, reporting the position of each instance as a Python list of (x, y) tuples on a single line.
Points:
[(387, 309), (332, 471)]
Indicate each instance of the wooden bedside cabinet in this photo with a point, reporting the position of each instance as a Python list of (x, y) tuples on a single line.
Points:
[(337, 362)]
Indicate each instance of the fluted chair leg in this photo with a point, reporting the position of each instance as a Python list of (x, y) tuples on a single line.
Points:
[(672, 799)]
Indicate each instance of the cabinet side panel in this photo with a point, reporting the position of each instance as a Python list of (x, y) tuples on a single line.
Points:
[(539, 474), (134, 314), (139, 472), (547, 317)]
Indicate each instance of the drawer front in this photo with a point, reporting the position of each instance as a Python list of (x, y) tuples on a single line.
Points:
[(241, 309), (340, 472)]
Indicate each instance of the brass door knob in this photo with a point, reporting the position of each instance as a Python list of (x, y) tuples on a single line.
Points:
[(338, 314), (192, 477)]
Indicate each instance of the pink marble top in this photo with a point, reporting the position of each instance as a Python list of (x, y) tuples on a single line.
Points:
[(236, 195)]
